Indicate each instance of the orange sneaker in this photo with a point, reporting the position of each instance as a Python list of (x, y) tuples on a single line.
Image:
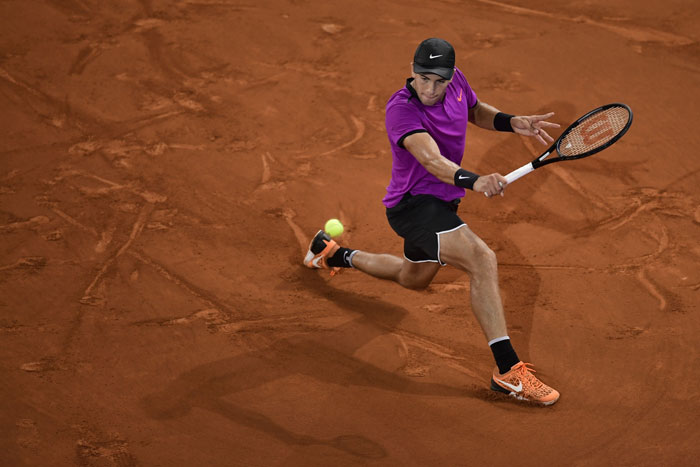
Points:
[(320, 248), (520, 383)]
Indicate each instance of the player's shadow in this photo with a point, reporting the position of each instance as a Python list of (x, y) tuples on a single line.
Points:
[(325, 356), (520, 280)]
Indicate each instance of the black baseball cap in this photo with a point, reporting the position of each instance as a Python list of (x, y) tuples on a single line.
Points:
[(435, 56)]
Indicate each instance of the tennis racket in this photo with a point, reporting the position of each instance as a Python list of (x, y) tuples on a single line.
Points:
[(592, 133)]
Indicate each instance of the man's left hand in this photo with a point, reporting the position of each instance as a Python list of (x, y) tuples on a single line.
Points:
[(534, 125)]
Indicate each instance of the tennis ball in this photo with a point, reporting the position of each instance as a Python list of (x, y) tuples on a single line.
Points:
[(333, 227)]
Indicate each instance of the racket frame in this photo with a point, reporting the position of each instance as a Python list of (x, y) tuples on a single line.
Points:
[(540, 160)]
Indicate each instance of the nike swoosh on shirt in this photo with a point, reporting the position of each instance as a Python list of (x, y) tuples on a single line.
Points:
[(434, 56), (459, 99), (517, 388)]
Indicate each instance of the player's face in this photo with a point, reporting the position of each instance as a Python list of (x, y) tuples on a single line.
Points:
[(429, 87)]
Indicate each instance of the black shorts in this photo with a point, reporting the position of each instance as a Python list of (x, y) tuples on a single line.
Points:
[(420, 220)]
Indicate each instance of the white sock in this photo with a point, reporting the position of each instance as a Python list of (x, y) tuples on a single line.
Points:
[(350, 258)]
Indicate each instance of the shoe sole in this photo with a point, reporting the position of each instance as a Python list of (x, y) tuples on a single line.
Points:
[(309, 258), (312, 260)]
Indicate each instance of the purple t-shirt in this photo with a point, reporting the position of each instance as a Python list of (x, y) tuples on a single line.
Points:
[(445, 121)]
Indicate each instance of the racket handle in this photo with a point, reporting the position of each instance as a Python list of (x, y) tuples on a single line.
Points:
[(516, 174)]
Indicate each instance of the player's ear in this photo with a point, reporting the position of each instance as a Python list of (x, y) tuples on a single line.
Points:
[(413, 73)]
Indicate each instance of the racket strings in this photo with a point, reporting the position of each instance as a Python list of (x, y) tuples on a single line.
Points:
[(594, 131)]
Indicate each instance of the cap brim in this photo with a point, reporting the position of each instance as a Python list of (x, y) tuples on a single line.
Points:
[(442, 72)]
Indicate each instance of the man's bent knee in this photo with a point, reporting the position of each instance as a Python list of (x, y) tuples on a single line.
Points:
[(485, 256), (468, 252)]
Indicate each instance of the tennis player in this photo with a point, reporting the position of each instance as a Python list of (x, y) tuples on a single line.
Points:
[(426, 122)]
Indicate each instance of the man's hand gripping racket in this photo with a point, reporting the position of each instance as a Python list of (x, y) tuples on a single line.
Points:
[(592, 133)]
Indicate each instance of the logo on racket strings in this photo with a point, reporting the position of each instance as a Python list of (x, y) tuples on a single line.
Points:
[(596, 129)]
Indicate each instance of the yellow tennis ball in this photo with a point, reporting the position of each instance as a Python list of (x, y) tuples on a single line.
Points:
[(333, 227)]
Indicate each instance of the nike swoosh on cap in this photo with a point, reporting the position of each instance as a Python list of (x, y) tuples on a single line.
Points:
[(434, 56)]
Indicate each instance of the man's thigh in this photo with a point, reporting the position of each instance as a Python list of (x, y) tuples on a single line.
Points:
[(463, 249)]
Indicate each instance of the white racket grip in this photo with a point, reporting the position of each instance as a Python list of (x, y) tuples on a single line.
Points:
[(516, 174)]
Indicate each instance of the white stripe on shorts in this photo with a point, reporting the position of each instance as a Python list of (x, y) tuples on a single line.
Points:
[(438, 240), (421, 261)]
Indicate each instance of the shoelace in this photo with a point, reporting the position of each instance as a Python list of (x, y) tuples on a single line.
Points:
[(526, 375)]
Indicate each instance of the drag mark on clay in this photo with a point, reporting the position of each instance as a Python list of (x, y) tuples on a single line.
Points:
[(71, 7), (669, 204), (146, 23), (129, 126), (359, 133), (48, 109), (8, 77), (411, 367), (637, 266), (88, 298), (215, 309), (105, 240), (28, 262), (42, 366), (233, 4), (94, 452), (148, 196), (356, 445), (372, 103), (29, 224), (119, 151), (85, 56), (289, 215), (174, 67), (217, 321), (266, 168), (266, 180), (28, 434), (651, 289), (652, 201), (75, 223), (447, 355), (639, 34), (455, 286)]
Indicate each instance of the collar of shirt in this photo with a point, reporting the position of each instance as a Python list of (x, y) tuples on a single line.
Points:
[(410, 88)]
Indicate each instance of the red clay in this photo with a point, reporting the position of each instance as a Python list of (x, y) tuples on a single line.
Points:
[(164, 164)]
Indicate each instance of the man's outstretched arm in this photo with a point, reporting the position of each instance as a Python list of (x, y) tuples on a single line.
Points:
[(487, 116)]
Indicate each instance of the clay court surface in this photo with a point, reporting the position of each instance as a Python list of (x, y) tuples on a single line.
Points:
[(163, 166)]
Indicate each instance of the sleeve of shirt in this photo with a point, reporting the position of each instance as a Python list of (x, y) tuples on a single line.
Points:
[(471, 95), (402, 119)]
